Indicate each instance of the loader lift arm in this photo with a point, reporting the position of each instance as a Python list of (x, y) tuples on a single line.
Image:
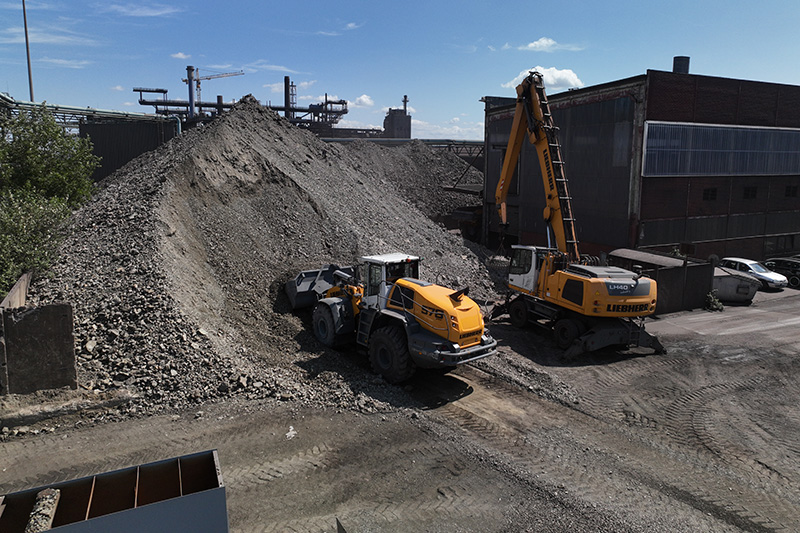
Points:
[(532, 118)]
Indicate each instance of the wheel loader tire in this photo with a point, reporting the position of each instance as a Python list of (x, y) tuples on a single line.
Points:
[(388, 354), (566, 331), (518, 313), (324, 328)]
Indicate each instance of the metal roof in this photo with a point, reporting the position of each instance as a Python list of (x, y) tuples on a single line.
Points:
[(385, 259)]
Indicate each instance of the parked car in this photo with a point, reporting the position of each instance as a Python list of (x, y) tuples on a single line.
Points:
[(768, 278), (788, 266)]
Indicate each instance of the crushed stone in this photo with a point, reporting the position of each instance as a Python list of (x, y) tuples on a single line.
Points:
[(175, 268)]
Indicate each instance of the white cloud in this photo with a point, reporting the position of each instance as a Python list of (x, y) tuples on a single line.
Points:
[(119, 88), (467, 131), (362, 101), (350, 26), (16, 35), (180, 55), (554, 79), (65, 63), (411, 110), (546, 44), (357, 124), (30, 6), (263, 64), (129, 104), (279, 87), (506, 46), (136, 10), (320, 99)]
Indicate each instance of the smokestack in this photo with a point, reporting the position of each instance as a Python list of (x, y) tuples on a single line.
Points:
[(287, 99), (190, 83), (680, 64)]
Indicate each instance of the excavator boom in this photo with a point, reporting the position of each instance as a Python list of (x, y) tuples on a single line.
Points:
[(532, 117)]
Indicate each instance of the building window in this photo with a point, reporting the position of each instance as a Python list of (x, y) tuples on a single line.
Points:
[(710, 194), (791, 191), (672, 149), (750, 193)]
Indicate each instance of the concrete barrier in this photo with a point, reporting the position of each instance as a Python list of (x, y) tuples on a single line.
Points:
[(39, 348), (37, 344)]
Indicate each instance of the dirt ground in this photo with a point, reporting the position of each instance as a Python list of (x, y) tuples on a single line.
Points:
[(700, 439)]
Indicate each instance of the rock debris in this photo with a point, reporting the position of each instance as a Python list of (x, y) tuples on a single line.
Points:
[(175, 269)]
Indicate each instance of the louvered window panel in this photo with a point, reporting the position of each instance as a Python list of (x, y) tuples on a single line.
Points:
[(677, 149)]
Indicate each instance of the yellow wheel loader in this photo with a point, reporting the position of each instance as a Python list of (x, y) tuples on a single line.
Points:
[(403, 322)]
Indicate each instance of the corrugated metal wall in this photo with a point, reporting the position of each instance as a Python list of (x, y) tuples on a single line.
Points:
[(119, 142), (598, 135)]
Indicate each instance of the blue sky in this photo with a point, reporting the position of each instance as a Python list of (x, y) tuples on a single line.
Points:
[(445, 55)]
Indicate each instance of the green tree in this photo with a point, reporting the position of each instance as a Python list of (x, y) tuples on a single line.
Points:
[(44, 173), (38, 156)]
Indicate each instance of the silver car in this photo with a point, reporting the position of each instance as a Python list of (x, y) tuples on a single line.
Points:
[(768, 278)]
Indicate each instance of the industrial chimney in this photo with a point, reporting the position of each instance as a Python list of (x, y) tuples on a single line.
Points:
[(680, 64)]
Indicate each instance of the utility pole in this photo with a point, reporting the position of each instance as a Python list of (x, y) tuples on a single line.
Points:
[(27, 49)]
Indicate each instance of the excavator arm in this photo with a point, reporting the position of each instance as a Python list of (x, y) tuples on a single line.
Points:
[(532, 118)]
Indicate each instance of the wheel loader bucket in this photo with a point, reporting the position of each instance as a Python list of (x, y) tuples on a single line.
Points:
[(309, 285)]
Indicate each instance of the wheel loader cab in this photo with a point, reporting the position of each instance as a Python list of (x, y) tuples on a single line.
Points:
[(381, 273)]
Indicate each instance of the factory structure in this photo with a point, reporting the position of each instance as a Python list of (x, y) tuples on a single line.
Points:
[(320, 118), (660, 162), (119, 137)]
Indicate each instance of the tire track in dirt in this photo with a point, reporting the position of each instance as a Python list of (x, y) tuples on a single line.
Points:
[(556, 445), (299, 480), (744, 424)]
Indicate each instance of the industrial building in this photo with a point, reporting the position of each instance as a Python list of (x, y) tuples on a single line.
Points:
[(662, 161)]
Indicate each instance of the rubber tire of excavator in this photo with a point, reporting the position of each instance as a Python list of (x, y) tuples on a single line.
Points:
[(388, 354), (322, 322), (518, 313), (565, 332)]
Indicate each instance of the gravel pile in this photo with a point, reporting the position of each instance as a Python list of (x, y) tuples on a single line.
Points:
[(176, 267)]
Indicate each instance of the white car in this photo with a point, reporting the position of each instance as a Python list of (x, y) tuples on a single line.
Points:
[(768, 278)]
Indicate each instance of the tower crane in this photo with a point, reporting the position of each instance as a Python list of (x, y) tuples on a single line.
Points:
[(194, 75)]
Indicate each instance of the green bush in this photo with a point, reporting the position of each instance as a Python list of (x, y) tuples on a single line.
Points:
[(44, 173), (712, 302), (30, 226)]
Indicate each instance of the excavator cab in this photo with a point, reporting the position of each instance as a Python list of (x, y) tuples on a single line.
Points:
[(526, 266)]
